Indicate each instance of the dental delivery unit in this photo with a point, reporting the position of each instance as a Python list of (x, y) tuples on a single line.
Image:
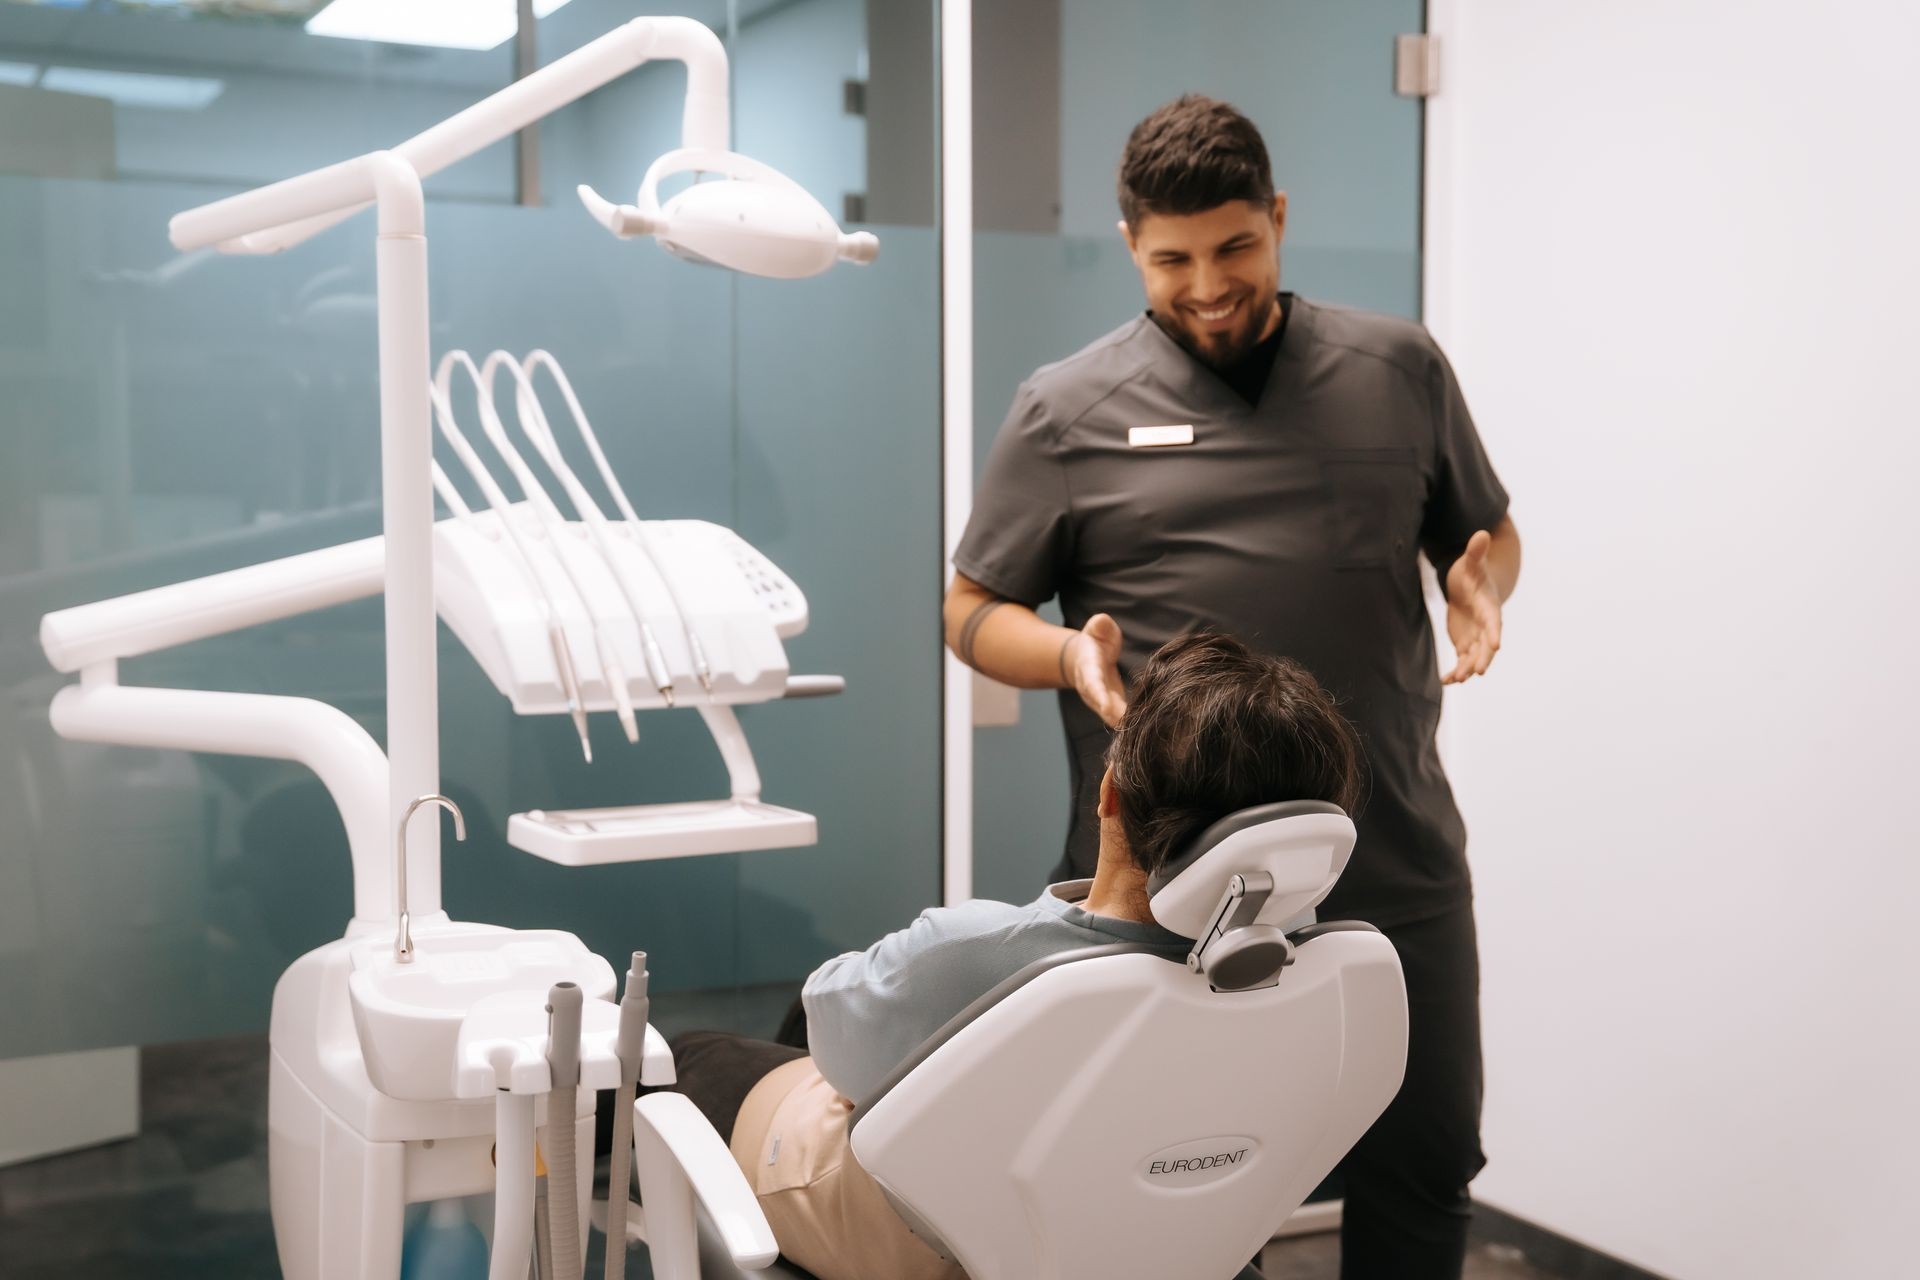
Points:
[(419, 1058)]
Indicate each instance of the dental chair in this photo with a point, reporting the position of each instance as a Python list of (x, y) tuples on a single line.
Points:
[(1108, 1114)]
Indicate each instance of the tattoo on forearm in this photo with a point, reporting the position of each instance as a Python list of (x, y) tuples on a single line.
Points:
[(970, 629), (1066, 681)]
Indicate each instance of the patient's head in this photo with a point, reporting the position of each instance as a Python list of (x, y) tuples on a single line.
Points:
[(1211, 728)]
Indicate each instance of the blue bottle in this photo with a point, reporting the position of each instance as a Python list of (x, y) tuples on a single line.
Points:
[(444, 1245)]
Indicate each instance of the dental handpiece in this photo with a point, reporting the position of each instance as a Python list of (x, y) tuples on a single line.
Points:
[(570, 684), (700, 665), (503, 509), (533, 425), (634, 526), (563, 660), (555, 528), (657, 664), (534, 419), (547, 519)]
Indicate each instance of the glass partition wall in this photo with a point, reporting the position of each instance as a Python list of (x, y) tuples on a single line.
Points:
[(164, 416), (1058, 85)]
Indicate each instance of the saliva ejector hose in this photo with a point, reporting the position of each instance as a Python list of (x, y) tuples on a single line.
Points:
[(629, 1046), (563, 1065)]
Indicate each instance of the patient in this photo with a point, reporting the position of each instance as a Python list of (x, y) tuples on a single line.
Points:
[(1212, 727)]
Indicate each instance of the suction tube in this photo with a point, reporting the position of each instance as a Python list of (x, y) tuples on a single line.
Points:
[(513, 1186), (542, 1230), (629, 1046), (563, 1063)]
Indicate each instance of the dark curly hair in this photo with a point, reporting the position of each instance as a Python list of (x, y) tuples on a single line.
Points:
[(1194, 154), (1212, 727)]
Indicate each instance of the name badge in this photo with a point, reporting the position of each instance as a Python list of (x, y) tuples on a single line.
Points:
[(1159, 437)]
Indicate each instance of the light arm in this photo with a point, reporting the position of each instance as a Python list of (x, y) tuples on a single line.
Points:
[(323, 738), (704, 123), (179, 613), (380, 176)]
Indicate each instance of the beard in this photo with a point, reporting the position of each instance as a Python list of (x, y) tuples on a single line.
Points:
[(1219, 351)]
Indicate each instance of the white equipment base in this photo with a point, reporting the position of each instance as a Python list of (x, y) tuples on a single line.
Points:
[(643, 832)]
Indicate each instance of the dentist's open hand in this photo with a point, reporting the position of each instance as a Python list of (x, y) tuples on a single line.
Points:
[(1473, 611), (1091, 663)]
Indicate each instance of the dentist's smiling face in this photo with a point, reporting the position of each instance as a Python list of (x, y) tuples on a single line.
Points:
[(1212, 278)]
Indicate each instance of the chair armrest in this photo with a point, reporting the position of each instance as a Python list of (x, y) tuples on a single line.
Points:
[(679, 1158)]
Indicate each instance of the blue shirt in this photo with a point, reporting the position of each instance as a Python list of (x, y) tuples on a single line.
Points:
[(867, 1011)]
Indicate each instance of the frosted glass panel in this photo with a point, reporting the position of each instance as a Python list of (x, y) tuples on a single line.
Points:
[(163, 417), (839, 444), (194, 94)]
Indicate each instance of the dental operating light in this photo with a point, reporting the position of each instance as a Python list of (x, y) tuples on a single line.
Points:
[(755, 219)]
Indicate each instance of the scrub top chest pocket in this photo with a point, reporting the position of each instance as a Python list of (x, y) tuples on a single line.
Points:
[(1372, 505)]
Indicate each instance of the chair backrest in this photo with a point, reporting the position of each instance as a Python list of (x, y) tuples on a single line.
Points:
[(1104, 1114), (1116, 1116), (1124, 1115)]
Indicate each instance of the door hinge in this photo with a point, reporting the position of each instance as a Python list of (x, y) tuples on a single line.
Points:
[(1416, 66)]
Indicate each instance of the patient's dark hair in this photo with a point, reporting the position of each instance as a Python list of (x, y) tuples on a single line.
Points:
[(1212, 727), (1192, 155)]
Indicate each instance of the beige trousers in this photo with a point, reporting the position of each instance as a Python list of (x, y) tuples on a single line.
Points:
[(827, 1213)]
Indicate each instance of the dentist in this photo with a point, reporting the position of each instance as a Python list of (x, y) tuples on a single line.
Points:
[(1244, 460)]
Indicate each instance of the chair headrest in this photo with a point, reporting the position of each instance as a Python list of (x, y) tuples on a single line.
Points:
[(1303, 844)]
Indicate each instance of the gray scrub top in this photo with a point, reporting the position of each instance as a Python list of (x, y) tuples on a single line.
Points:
[(1294, 524)]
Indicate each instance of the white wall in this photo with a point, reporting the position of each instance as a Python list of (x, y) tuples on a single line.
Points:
[(1672, 249)]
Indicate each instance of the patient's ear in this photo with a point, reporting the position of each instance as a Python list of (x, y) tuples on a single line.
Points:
[(1109, 798)]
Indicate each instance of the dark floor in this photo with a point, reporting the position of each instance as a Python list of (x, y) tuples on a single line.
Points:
[(1318, 1258), (188, 1196)]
